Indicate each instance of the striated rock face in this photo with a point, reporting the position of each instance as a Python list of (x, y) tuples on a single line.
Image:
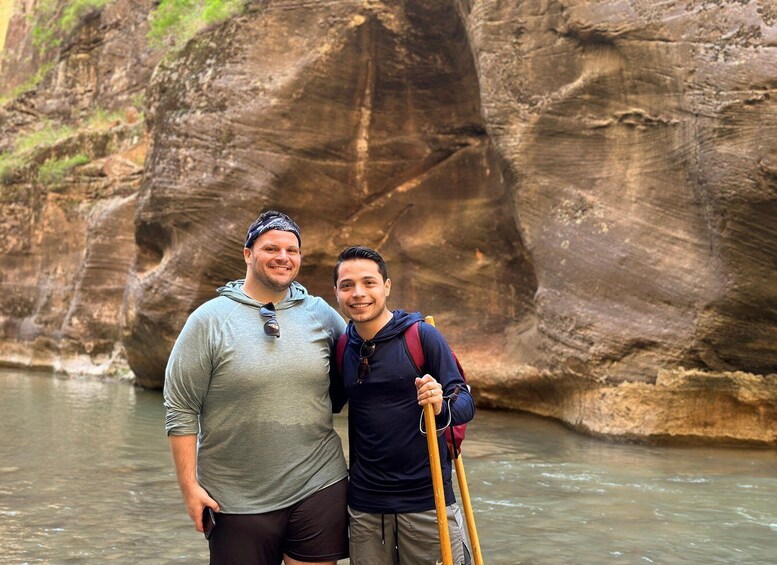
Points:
[(582, 193), (643, 158), (640, 145), (365, 126), (67, 248), (69, 199)]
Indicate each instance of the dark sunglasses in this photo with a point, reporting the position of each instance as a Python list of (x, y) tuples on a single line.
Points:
[(367, 349), (271, 326)]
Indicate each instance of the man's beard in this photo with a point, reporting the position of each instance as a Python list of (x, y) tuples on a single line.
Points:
[(270, 282)]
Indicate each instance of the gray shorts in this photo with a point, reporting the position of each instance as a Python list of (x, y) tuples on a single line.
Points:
[(411, 538)]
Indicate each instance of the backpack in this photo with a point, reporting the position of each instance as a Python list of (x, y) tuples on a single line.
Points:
[(412, 339)]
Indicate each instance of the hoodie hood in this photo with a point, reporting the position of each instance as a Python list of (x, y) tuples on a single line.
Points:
[(398, 324), (234, 291)]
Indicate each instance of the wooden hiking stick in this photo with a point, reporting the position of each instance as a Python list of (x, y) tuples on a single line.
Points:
[(439, 493), (477, 556), (461, 476)]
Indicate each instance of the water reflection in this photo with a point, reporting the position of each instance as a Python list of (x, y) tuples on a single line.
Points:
[(86, 476)]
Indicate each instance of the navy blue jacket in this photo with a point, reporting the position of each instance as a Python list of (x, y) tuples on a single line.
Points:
[(389, 459)]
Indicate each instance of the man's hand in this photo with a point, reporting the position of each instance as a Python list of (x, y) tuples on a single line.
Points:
[(429, 392), (196, 499), (184, 449)]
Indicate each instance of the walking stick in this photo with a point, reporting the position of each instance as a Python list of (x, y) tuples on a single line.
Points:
[(468, 513), (461, 476), (439, 494)]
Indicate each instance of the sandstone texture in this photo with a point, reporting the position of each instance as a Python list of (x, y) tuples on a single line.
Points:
[(69, 200), (582, 193)]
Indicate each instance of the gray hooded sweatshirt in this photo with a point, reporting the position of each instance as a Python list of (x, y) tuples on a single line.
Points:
[(259, 404)]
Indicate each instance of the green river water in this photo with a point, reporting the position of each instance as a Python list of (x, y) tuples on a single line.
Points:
[(86, 477)]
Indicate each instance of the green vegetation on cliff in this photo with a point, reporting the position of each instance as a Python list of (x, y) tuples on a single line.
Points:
[(76, 9), (25, 149), (29, 84), (177, 21), (51, 21), (24, 146), (47, 135), (54, 19), (54, 170)]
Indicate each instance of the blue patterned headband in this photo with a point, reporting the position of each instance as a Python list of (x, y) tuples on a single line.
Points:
[(280, 222)]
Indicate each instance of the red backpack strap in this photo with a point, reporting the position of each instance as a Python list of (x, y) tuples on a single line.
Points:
[(455, 434), (412, 339), (340, 352)]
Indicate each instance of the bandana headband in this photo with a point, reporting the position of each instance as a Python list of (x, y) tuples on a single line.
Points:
[(273, 223)]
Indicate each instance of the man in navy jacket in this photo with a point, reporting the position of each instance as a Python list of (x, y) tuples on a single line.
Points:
[(390, 494)]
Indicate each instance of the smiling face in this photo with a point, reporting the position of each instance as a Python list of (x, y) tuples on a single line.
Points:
[(272, 264), (361, 293)]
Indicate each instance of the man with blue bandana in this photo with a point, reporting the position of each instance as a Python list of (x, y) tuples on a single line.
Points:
[(249, 417)]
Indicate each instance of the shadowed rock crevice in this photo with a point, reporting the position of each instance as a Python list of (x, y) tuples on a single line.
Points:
[(151, 240)]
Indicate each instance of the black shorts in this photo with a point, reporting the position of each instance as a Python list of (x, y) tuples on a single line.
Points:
[(314, 529)]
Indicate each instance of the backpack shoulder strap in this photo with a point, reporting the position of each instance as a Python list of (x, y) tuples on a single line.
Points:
[(412, 339), (342, 341)]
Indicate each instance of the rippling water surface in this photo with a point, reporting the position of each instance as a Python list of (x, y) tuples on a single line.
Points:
[(86, 477)]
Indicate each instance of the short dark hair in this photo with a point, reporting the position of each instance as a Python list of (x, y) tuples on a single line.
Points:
[(361, 252)]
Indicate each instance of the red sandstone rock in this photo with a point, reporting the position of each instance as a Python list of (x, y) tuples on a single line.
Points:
[(582, 193)]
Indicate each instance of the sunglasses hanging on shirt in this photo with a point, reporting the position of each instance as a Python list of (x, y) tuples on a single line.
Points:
[(365, 351), (271, 327)]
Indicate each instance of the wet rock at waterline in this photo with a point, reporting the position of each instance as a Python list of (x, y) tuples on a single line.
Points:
[(581, 193)]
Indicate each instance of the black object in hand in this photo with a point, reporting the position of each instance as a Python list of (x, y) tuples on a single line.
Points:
[(208, 521)]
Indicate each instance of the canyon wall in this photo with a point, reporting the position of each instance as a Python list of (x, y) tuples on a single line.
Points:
[(582, 193)]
